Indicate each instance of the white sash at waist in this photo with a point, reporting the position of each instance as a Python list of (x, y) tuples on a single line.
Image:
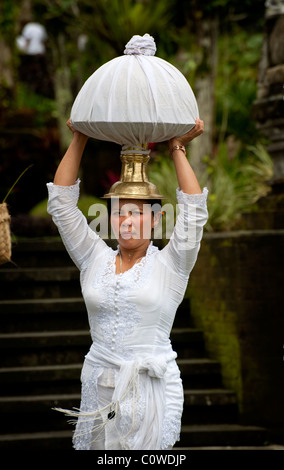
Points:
[(151, 370)]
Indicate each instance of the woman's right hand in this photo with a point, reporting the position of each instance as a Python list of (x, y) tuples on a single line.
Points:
[(74, 131), (69, 125), (197, 130)]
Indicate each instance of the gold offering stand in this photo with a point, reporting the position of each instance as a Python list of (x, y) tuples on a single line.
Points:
[(134, 181)]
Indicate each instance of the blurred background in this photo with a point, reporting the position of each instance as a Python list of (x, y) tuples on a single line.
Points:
[(49, 49)]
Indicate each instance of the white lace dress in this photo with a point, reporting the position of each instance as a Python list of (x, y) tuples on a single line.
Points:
[(132, 395)]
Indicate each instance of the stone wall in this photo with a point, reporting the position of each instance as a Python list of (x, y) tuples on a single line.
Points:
[(268, 109), (236, 294)]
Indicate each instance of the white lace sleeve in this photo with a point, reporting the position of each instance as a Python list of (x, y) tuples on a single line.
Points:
[(79, 239), (181, 252)]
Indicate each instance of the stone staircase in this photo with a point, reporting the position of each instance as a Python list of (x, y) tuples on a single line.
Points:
[(44, 336)]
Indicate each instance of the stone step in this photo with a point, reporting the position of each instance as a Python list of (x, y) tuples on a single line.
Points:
[(192, 437), (49, 373), (41, 416), (44, 348), (48, 440), (36, 413), (188, 342), (210, 406), (188, 367), (36, 380), (51, 338), (42, 252), (40, 339), (35, 274), (44, 282), (57, 347), (37, 403), (37, 306), (39, 252), (222, 435), (57, 313), (28, 315), (200, 372), (209, 397), (39, 378)]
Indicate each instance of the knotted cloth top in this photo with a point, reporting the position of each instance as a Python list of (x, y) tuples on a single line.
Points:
[(141, 45), (135, 99)]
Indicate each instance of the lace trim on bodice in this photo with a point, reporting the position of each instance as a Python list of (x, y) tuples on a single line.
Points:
[(117, 316), (137, 274)]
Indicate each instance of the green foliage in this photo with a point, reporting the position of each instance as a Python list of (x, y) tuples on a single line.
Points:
[(235, 184), (27, 99), (84, 204), (162, 174), (109, 24), (56, 8), (236, 84), (8, 14), (116, 21)]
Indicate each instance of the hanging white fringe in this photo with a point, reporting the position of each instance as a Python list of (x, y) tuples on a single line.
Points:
[(113, 408), (92, 417)]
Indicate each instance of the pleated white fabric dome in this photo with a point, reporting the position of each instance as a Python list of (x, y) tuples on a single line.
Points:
[(135, 98)]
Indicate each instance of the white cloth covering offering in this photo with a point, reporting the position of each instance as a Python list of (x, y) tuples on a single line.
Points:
[(136, 98), (132, 394)]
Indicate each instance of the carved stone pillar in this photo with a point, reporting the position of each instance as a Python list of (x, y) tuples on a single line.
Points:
[(268, 109)]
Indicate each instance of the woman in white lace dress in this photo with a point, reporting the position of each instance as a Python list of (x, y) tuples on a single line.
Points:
[(132, 395)]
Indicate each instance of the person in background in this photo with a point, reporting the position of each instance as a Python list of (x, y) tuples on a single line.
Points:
[(33, 68)]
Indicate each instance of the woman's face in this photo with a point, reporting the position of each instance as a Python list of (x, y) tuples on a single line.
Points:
[(131, 220)]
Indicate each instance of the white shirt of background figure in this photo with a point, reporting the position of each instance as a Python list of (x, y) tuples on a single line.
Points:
[(32, 40)]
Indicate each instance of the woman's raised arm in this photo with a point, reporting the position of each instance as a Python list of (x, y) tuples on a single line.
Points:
[(185, 175), (67, 171)]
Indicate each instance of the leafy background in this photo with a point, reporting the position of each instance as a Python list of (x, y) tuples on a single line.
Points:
[(235, 167)]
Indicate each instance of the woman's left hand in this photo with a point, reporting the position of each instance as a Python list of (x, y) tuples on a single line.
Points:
[(197, 130)]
